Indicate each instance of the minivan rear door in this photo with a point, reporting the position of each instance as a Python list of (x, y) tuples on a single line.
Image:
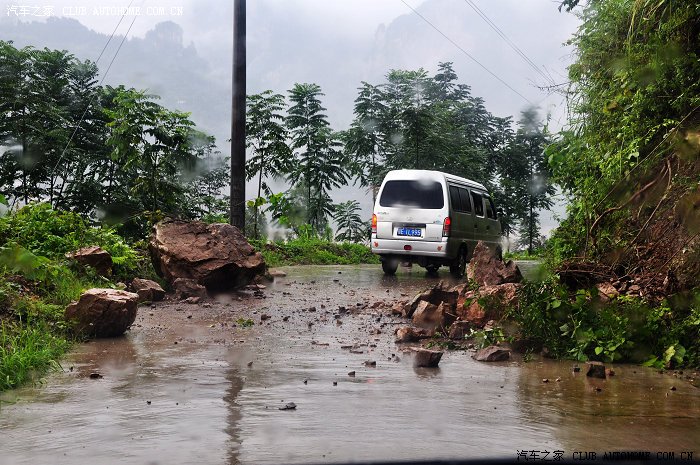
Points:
[(411, 209)]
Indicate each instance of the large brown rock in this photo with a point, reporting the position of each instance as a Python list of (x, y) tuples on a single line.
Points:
[(103, 312), (489, 303), (488, 270), (411, 334), (426, 358), (216, 256), (492, 354), (148, 291), (429, 315), (434, 295), (94, 257)]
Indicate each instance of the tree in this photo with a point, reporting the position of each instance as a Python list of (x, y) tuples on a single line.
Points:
[(266, 135), (529, 143), (320, 163), (350, 226), (364, 140)]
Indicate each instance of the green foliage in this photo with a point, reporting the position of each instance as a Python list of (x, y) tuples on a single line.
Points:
[(245, 322), (49, 233), (313, 251), (635, 88), (27, 350), (582, 327), (350, 226), (486, 337)]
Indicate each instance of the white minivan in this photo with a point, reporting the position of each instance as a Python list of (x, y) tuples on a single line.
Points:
[(432, 219)]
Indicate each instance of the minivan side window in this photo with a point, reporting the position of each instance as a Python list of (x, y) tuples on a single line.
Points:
[(466, 203), (490, 210), (478, 204), (455, 200)]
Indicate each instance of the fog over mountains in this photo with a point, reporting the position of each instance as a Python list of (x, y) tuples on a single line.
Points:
[(186, 59)]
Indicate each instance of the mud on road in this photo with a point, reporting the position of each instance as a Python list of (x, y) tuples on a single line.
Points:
[(212, 383)]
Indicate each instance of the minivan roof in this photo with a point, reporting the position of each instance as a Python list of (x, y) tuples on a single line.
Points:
[(430, 174)]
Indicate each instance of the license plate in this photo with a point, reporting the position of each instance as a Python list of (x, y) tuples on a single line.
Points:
[(412, 232)]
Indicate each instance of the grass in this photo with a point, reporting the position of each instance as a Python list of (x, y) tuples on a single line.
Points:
[(523, 255), (314, 252), (27, 350)]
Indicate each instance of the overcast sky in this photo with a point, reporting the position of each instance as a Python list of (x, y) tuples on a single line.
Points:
[(338, 43)]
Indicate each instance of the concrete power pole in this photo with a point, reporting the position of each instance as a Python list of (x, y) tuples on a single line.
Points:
[(238, 107)]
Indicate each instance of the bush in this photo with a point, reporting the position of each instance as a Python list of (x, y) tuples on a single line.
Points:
[(49, 233)]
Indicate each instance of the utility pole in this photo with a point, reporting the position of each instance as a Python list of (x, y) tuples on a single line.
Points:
[(238, 107)]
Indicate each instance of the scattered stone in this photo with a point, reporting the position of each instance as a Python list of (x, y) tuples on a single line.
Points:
[(264, 317), (216, 256), (558, 380), (426, 358), (250, 364), (488, 270), (94, 375), (411, 334), (371, 363), (606, 291), (306, 381), (193, 301), (492, 354), (497, 299), (610, 372), (148, 291), (94, 257), (595, 370), (351, 374), (460, 329), (276, 273), (103, 312), (576, 369), (673, 388), (545, 380), (148, 402), (185, 288), (289, 406), (285, 318), (335, 383), (435, 295)]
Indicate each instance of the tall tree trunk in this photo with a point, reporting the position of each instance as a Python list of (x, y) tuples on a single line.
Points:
[(255, 226)]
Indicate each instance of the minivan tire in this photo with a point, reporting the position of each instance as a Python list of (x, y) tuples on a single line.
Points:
[(389, 266), (460, 265)]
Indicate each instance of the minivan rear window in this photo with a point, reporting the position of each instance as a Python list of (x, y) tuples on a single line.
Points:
[(412, 194)]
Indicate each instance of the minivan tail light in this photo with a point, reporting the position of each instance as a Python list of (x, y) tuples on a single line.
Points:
[(446, 227), (374, 224)]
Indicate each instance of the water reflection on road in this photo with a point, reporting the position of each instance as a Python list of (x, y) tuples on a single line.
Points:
[(213, 399)]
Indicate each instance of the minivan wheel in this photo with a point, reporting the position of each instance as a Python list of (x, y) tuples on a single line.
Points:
[(460, 265), (389, 266)]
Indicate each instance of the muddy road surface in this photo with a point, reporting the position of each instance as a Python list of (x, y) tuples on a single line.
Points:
[(213, 384)]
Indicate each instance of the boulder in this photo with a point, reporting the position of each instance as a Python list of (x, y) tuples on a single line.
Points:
[(429, 315), (94, 257), (488, 270), (103, 312), (492, 354), (595, 370), (186, 288), (426, 358), (435, 295), (148, 291), (411, 334), (489, 303), (216, 256)]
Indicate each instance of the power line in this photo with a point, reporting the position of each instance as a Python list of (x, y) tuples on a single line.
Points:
[(92, 99), (467, 53), (508, 41)]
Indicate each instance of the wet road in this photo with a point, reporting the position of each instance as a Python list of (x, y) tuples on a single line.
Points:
[(186, 385)]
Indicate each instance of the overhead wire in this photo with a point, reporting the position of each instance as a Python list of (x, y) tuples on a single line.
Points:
[(92, 99), (470, 56), (510, 43)]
